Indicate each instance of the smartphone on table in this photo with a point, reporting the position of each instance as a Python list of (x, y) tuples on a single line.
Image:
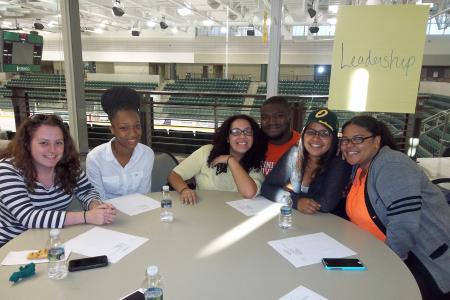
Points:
[(343, 264), (136, 295), (88, 263)]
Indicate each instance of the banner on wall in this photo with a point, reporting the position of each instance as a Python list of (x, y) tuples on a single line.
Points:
[(377, 58)]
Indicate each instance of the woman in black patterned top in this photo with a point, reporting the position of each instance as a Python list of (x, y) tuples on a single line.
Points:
[(39, 173)]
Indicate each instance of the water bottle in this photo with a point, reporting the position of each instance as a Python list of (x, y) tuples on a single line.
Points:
[(285, 218), (57, 268), (152, 284), (166, 206)]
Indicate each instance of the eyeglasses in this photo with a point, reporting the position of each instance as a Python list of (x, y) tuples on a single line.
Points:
[(321, 133), (355, 140), (238, 132)]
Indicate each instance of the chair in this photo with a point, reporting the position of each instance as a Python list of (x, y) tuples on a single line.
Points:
[(445, 191), (162, 166)]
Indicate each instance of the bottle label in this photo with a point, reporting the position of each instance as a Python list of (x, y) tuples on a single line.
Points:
[(154, 293), (166, 203), (55, 254), (286, 210)]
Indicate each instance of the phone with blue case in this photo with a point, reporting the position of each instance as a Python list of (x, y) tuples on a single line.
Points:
[(350, 264)]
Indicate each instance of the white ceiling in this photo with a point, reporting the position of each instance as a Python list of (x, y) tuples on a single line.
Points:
[(97, 14)]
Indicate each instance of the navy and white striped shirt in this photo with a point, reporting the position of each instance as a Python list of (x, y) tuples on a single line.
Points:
[(43, 208)]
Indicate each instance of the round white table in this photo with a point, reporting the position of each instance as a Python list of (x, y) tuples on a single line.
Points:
[(247, 269)]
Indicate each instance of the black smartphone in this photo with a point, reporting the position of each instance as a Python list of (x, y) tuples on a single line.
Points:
[(136, 295), (343, 264), (88, 263)]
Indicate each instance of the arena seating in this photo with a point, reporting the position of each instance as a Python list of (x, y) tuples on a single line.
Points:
[(198, 109)]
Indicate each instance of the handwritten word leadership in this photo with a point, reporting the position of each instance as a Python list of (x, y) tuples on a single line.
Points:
[(389, 61)]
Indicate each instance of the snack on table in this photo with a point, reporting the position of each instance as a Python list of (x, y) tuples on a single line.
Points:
[(43, 253)]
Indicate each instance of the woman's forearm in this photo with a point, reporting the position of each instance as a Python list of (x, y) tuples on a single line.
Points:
[(177, 182), (74, 217), (246, 186)]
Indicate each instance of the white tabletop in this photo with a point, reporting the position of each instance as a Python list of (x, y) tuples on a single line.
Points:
[(247, 269), (435, 167)]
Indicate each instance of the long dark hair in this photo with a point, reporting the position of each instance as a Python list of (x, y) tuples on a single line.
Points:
[(68, 168), (254, 157), (377, 128), (324, 159)]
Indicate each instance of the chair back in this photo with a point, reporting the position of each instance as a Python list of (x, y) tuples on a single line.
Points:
[(162, 166), (443, 184)]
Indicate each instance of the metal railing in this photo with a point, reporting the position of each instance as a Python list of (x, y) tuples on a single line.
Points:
[(185, 123), (436, 128)]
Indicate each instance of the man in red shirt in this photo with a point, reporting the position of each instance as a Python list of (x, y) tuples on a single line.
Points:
[(276, 123)]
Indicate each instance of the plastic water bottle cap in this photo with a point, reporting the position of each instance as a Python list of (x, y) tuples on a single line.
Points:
[(165, 188), (152, 270), (54, 232)]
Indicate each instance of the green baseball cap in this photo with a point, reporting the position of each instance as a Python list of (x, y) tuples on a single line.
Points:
[(325, 117)]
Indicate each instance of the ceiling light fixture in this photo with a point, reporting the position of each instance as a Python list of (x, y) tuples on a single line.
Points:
[(118, 8), (163, 23), (333, 9), (208, 22), (135, 29), (314, 28), (184, 12), (311, 11), (151, 24), (251, 30), (51, 24), (213, 4), (38, 25)]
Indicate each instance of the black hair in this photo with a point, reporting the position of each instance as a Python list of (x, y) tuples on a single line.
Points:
[(377, 128), (324, 160), (281, 100), (119, 98), (254, 157)]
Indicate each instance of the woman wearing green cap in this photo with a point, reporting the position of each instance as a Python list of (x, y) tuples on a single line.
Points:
[(311, 170)]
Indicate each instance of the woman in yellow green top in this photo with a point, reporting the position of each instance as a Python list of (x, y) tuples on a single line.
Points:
[(231, 163)]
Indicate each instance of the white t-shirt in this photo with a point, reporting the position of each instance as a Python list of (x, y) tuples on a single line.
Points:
[(112, 180)]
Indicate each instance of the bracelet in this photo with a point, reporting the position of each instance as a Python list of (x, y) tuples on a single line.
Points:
[(84, 215), (186, 187)]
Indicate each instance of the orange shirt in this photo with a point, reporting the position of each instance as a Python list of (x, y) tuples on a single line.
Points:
[(357, 210), (274, 152)]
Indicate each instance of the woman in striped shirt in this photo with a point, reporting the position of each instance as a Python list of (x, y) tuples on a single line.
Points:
[(39, 174)]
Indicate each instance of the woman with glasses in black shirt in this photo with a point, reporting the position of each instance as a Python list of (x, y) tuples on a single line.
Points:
[(231, 163), (311, 170)]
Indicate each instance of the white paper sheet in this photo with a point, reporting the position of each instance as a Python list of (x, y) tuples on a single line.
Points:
[(310, 249), (20, 258), (100, 241), (302, 293), (251, 207), (134, 204)]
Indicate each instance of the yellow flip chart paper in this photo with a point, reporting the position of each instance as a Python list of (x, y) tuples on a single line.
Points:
[(377, 58)]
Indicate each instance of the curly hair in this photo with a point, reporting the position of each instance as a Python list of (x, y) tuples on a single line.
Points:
[(120, 98), (254, 157), (67, 170)]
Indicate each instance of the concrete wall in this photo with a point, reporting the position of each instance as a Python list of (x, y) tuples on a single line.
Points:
[(437, 88), (131, 68), (105, 67), (123, 77)]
